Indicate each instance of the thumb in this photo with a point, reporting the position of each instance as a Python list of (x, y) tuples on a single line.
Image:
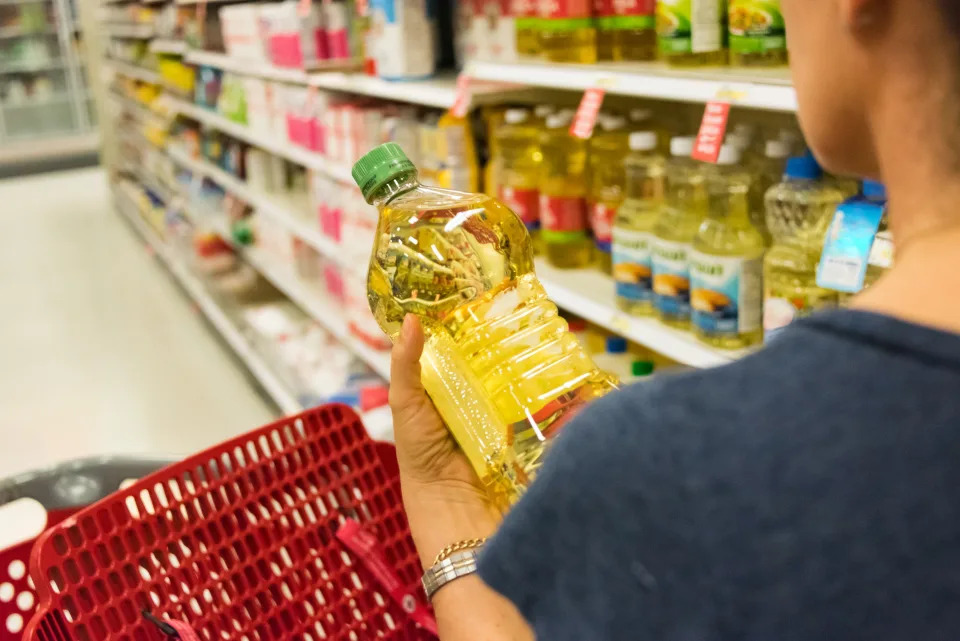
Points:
[(406, 389)]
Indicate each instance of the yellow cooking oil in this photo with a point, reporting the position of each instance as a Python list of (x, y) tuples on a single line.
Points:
[(676, 228), (603, 20), (644, 194), (607, 149), (527, 24), (726, 264), (499, 362), (568, 32), (767, 172), (563, 195), (798, 211), (634, 29), (518, 166), (758, 35), (492, 116), (692, 33)]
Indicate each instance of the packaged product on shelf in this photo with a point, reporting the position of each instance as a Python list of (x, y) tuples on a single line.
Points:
[(676, 228), (567, 31), (231, 102), (336, 24), (292, 34), (527, 25), (264, 106), (692, 32), (518, 145), (457, 152), (798, 212), (479, 336), (758, 35), (602, 11), (306, 261), (401, 41), (767, 171), (634, 28), (207, 89), (502, 26), (634, 224), (563, 195), (243, 31), (615, 358), (607, 148), (726, 263), (302, 112)]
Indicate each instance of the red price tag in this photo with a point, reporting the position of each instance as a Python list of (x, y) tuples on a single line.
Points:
[(461, 100), (586, 117), (713, 127)]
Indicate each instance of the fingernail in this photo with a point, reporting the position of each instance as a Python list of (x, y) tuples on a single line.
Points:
[(407, 330)]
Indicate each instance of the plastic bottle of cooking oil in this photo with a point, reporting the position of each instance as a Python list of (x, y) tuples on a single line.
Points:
[(608, 146), (692, 32), (563, 195), (767, 171), (880, 258), (633, 226), (674, 232), (527, 26), (726, 264), (603, 20), (758, 35), (499, 363), (634, 30), (518, 146), (568, 32), (798, 212)]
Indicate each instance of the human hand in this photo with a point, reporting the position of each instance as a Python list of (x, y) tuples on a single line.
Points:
[(444, 499)]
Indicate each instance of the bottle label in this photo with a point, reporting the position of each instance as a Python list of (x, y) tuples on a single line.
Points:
[(564, 218), (690, 26), (843, 263), (601, 222), (633, 264), (726, 293), (756, 26), (881, 252), (671, 278), (565, 9), (524, 203)]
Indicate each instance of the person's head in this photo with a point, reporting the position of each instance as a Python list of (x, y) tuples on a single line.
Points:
[(867, 70)]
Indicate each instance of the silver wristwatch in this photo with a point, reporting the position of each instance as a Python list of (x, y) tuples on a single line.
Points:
[(451, 568)]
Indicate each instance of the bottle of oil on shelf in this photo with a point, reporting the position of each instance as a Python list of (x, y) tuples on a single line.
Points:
[(567, 31), (675, 230), (499, 363), (634, 30), (608, 146), (603, 20), (798, 211), (528, 27), (758, 35), (692, 32), (518, 145), (563, 195), (726, 264), (635, 222), (767, 172)]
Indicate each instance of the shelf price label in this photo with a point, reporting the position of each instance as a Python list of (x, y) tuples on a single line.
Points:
[(586, 116), (462, 97), (713, 127)]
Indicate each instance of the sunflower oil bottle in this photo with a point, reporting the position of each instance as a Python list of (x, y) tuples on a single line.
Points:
[(633, 227), (880, 258), (767, 171), (676, 228), (692, 33), (518, 166), (499, 363), (634, 28), (568, 32), (798, 213), (603, 20), (528, 27), (607, 148), (726, 264), (758, 35), (563, 195)]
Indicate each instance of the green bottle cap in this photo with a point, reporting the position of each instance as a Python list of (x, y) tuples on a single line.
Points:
[(641, 368), (379, 166)]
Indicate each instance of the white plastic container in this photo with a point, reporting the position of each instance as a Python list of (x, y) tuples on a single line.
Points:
[(402, 38), (616, 359)]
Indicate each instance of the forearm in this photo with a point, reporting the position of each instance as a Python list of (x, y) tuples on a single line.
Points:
[(467, 610)]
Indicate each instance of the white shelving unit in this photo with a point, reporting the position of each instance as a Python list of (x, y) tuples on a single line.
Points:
[(165, 45), (135, 71), (135, 31)]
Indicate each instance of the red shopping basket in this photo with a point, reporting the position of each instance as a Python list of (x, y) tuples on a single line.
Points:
[(60, 491), (244, 541)]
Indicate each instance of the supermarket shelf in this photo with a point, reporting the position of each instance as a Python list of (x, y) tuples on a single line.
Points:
[(220, 321), (758, 89), (135, 71), (140, 110), (33, 103), (589, 294), (247, 67), (129, 30), (31, 67), (264, 140), (167, 45), (20, 32), (37, 149), (283, 211)]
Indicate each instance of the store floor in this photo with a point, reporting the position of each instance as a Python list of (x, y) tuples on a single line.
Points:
[(100, 352)]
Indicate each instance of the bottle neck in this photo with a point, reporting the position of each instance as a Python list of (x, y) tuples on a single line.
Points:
[(396, 186)]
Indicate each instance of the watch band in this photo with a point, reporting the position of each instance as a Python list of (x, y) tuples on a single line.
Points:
[(449, 569)]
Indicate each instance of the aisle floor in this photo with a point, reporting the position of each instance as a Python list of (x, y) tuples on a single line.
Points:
[(100, 352)]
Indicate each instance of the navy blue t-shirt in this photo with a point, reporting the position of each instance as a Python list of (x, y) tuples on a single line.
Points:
[(809, 492)]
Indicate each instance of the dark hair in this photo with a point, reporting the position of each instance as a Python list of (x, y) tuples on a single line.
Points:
[(951, 15)]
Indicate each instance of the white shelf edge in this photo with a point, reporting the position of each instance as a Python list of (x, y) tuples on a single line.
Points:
[(133, 31), (32, 149), (134, 71), (168, 45), (761, 89), (588, 293), (220, 321)]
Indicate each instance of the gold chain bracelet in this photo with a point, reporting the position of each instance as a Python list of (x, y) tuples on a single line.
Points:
[(467, 544)]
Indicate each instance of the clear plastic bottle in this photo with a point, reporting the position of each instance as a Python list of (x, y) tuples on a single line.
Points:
[(692, 33), (518, 165), (634, 28), (758, 36), (499, 363), (615, 359), (563, 195), (880, 258), (603, 18), (767, 171), (568, 32), (633, 227), (528, 27), (798, 211), (608, 146), (675, 230), (726, 264)]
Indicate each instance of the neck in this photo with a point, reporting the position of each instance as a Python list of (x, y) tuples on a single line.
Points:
[(393, 188)]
